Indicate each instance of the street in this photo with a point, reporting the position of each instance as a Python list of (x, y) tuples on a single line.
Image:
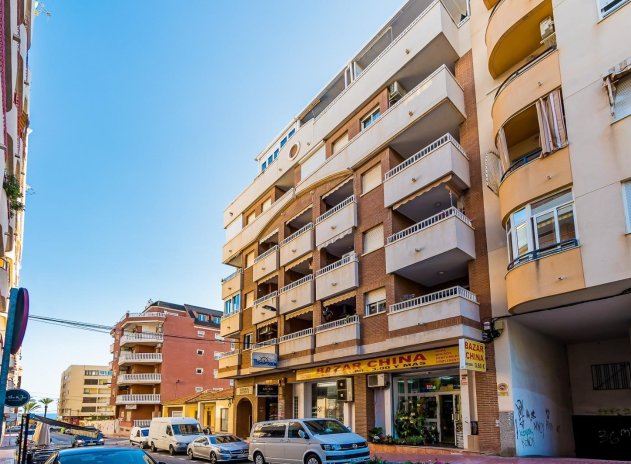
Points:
[(161, 456)]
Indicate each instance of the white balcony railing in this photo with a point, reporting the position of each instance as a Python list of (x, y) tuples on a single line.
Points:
[(435, 297), (354, 319), (227, 354), (138, 399), (293, 336), (271, 342), (234, 274), (296, 234), (150, 314), (140, 337), (269, 252), (335, 209), (265, 298), (430, 221), (140, 378), (295, 284), (345, 260), (140, 357)]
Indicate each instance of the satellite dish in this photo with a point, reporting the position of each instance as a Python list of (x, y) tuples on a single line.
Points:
[(492, 171)]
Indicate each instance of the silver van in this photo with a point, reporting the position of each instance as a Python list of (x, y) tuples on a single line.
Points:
[(306, 441)]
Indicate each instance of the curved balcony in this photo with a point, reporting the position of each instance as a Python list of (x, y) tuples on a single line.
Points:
[(513, 32), (544, 278), (531, 82)]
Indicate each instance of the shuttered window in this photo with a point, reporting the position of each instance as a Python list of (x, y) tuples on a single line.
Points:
[(249, 259), (373, 239), (622, 97), (626, 201), (267, 203), (249, 300), (375, 301), (339, 143), (250, 218), (371, 178)]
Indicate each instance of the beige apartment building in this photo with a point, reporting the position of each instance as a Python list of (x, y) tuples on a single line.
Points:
[(553, 97), (85, 394), (359, 249)]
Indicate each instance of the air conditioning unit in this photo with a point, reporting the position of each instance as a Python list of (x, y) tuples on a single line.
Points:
[(395, 92), (548, 36), (377, 380)]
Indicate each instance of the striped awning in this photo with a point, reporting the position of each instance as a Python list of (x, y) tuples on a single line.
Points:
[(337, 187), (302, 259), (297, 215), (420, 192), (271, 234), (266, 323), (335, 238), (300, 312), (339, 298)]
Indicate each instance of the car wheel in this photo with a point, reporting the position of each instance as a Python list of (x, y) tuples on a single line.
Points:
[(153, 447), (258, 458), (171, 450), (212, 458), (190, 455), (131, 443), (312, 459)]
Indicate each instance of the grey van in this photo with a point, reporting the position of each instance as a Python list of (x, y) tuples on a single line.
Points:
[(306, 441)]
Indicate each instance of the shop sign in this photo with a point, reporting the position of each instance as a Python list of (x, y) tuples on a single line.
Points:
[(472, 355), (265, 360), (242, 391), (131, 406), (436, 357), (265, 390), (17, 397)]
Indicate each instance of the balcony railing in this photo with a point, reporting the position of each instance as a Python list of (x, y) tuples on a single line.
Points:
[(131, 337), (293, 336), (138, 399), (339, 323), (524, 68), (227, 354), (148, 314), (234, 274), (447, 138), (140, 378), (542, 252), (295, 284), (140, 357), (269, 252), (271, 342), (345, 260), (430, 221), (265, 298), (296, 234), (335, 209), (434, 298)]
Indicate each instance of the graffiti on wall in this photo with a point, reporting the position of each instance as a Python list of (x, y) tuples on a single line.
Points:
[(529, 429)]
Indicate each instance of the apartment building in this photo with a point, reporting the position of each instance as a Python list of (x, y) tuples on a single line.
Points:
[(16, 19), (361, 276), (84, 394), (165, 352), (553, 98)]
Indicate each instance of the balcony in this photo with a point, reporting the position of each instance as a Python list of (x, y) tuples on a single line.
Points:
[(139, 379), (337, 277), (112, 348), (434, 250), (441, 158), (230, 324), (513, 32), (139, 358), (294, 347), (296, 245), (340, 331), (260, 313), (229, 363), (441, 305), (267, 347), (265, 264), (138, 399), (336, 222), (296, 295), (141, 338), (543, 278), (231, 284)]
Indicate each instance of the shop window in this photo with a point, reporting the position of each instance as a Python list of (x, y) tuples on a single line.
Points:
[(614, 376), (372, 239), (375, 301), (371, 178), (223, 423), (324, 402)]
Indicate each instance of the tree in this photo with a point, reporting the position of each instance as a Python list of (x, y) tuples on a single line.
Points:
[(30, 407), (46, 402)]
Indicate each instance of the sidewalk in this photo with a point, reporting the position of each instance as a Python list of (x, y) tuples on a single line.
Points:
[(7, 455)]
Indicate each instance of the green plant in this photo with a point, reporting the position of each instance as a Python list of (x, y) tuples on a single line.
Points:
[(45, 402), (375, 435), (376, 460), (30, 407), (11, 186)]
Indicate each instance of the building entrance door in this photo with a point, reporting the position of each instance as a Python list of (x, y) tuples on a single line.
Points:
[(448, 419), (271, 409)]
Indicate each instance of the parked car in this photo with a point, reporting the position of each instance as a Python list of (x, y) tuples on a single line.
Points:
[(86, 440), (173, 434), (218, 448), (13, 429), (101, 456), (308, 441), (139, 436)]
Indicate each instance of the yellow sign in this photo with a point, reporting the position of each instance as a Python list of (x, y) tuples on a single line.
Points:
[(241, 391), (437, 357), (472, 355)]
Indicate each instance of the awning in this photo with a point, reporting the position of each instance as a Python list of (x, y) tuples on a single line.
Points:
[(335, 238), (300, 312), (336, 188), (266, 323), (268, 278), (420, 192), (275, 231), (339, 298), (302, 259), (85, 431), (301, 212)]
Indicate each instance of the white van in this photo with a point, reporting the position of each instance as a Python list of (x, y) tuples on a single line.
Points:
[(173, 433), (306, 441)]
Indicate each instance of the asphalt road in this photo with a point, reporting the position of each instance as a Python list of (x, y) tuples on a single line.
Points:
[(160, 456)]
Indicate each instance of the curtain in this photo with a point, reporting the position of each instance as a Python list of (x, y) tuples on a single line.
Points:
[(552, 131)]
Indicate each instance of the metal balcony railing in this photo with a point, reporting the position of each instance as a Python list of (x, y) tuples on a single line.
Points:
[(263, 299), (354, 319), (270, 342), (335, 209), (299, 232), (269, 252), (295, 284), (293, 336), (345, 260), (434, 297), (234, 274), (430, 221)]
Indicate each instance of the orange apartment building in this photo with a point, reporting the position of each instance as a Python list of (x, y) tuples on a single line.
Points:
[(360, 251), (163, 353)]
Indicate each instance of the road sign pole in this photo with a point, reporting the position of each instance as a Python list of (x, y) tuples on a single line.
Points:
[(6, 351)]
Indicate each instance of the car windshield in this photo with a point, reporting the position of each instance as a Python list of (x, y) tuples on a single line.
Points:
[(106, 457), (325, 427), (186, 429), (224, 439)]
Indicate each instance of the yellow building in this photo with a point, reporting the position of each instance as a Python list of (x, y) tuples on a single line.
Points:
[(213, 409), (85, 393)]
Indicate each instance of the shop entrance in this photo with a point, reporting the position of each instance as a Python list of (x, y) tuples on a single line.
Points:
[(324, 401), (244, 418), (271, 408)]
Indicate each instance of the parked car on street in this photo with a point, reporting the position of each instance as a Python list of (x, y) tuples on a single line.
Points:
[(86, 440), (139, 436), (218, 448), (308, 441), (101, 456), (173, 434)]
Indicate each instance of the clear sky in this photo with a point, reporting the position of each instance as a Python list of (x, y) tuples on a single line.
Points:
[(146, 117)]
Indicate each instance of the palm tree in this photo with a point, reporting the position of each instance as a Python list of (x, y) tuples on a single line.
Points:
[(46, 402), (30, 407)]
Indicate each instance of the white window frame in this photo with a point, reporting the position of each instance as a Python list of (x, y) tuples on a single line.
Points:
[(200, 352), (377, 304), (627, 207), (219, 337), (215, 373), (199, 370), (249, 345), (201, 333), (603, 15), (370, 118), (199, 389)]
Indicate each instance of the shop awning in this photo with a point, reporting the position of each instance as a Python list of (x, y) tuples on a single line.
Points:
[(426, 189), (339, 298), (300, 312)]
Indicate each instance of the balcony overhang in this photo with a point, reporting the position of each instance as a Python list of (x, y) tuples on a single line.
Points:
[(230, 324)]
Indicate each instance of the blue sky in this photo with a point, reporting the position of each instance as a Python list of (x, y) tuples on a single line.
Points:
[(146, 117)]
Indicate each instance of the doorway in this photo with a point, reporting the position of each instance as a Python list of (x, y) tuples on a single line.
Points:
[(244, 418), (447, 419), (271, 408)]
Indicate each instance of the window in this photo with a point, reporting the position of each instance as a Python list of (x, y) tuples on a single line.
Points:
[(232, 305), (294, 430), (199, 389), (202, 317), (339, 143), (372, 117), (249, 299), (199, 370), (372, 239), (375, 301), (249, 219), (544, 226), (371, 178), (621, 89), (201, 333), (606, 7), (626, 201), (215, 373), (614, 376), (223, 422), (249, 259), (219, 337), (200, 352), (247, 341), (232, 382), (267, 204)]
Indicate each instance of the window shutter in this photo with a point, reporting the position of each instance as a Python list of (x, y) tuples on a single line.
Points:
[(339, 143), (545, 134), (626, 192), (267, 203), (557, 119), (375, 295), (249, 299), (622, 98), (373, 239), (249, 259), (371, 178)]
